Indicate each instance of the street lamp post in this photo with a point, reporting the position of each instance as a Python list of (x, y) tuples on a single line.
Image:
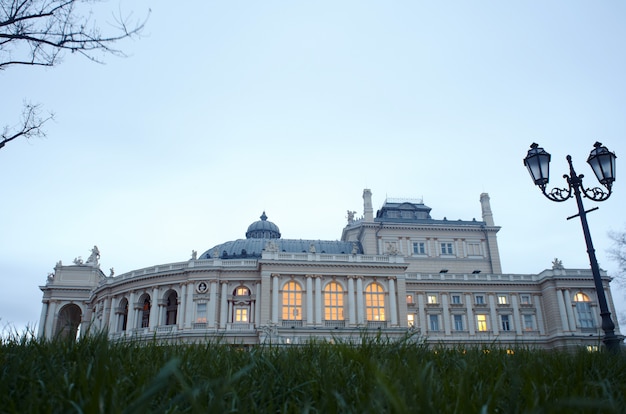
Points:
[(602, 161)]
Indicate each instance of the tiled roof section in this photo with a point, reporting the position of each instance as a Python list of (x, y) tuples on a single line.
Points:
[(254, 247), (418, 213)]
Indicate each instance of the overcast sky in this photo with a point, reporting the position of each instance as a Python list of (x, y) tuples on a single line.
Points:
[(226, 109)]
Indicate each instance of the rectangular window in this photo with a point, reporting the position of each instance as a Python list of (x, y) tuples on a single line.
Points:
[(434, 322), (410, 319), (458, 322), (481, 323), (503, 300), (432, 299), (506, 323), (529, 324), (419, 248), (473, 249), (585, 317), (241, 314), (409, 299), (201, 313), (456, 299), (525, 299), (447, 249), (480, 299)]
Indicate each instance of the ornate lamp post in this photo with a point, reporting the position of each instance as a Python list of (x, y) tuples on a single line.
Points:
[(602, 161)]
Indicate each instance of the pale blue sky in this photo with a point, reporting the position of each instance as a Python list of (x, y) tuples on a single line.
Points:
[(226, 109)]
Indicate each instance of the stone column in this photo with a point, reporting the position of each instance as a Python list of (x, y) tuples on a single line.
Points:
[(471, 323), (351, 301), (495, 326), (402, 308), (562, 311), (212, 305), (540, 322), (258, 305), (393, 308), (42, 320), (224, 308), (517, 321), (359, 301), (446, 314), (309, 300), (189, 305), (421, 308), (275, 298), (570, 310), (183, 317), (318, 300), (156, 309), (112, 318), (132, 313)]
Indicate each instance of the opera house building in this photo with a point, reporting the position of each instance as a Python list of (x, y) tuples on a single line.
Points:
[(394, 272)]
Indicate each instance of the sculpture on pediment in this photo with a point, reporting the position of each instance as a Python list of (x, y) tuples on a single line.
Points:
[(355, 248), (312, 248), (392, 249), (194, 255), (216, 254), (351, 216), (78, 261), (112, 272), (271, 246), (93, 257), (557, 264)]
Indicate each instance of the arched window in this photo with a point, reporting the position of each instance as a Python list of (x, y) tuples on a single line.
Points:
[(583, 310), (242, 291), (241, 305), (68, 322), (292, 301), (145, 312), (374, 302), (171, 308), (122, 312), (333, 302)]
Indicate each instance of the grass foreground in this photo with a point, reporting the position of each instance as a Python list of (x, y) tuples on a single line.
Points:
[(374, 375)]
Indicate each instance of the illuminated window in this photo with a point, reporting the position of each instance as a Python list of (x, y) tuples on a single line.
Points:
[(292, 301), (503, 300), (201, 313), (506, 323), (456, 299), (481, 323), (145, 313), (333, 302), (434, 322), (458, 322), (409, 299), (592, 348), (432, 299), (529, 323), (410, 319), (447, 249), (375, 302), (241, 314), (242, 291), (583, 310), (419, 248)]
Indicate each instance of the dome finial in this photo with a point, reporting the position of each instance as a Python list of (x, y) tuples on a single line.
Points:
[(263, 216)]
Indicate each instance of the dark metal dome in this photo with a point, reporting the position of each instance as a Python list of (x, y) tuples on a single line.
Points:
[(263, 229)]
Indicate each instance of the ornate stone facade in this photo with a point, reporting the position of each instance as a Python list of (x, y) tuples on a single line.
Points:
[(394, 272)]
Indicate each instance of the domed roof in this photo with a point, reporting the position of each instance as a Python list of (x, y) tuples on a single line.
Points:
[(263, 229)]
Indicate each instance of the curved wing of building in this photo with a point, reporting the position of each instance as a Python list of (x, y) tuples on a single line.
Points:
[(393, 272)]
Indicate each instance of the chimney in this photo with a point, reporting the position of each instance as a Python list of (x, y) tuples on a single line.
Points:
[(486, 207), (368, 211)]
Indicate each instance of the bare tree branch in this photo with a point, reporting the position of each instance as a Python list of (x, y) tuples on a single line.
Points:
[(30, 125), (37, 32)]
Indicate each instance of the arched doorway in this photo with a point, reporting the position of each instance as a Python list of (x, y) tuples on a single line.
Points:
[(68, 322)]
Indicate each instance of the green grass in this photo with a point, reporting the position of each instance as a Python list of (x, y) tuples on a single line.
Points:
[(373, 376)]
